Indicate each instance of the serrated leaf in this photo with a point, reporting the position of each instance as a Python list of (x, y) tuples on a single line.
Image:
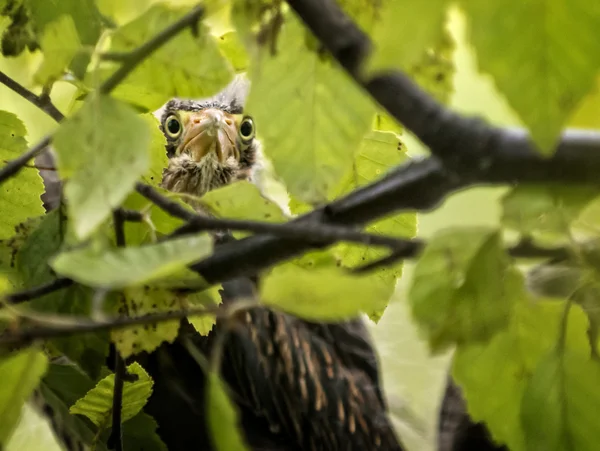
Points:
[(20, 374), (554, 69), (547, 210), (97, 403), (42, 242), (405, 31), (102, 150), (139, 301), (463, 289), (139, 434), (311, 120), (321, 293), (59, 43), (233, 49), (493, 376), (85, 15), (123, 267), (209, 297), (188, 65), (560, 403), (20, 195), (223, 419)]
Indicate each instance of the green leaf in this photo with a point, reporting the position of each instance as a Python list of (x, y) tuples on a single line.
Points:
[(365, 13), (186, 66), (321, 293), (60, 43), (97, 403), (463, 289), (560, 403), (102, 150), (139, 301), (84, 14), (234, 51), (139, 434), (120, 268), (158, 153), (311, 120), (493, 375), (20, 195), (209, 297), (554, 71), (90, 349), (406, 29), (20, 374), (547, 210), (222, 417)]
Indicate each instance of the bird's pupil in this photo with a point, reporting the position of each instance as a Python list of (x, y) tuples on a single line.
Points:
[(173, 126), (246, 128)]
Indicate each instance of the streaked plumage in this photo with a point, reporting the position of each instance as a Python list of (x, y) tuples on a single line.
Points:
[(299, 385)]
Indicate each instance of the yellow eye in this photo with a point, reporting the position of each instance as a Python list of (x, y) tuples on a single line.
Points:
[(247, 130), (173, 126)]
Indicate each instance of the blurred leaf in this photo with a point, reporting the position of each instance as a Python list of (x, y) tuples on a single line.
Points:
[(209, 297), (494, 375), (97, 403), (554, 69), (463, 289), (587, 114), (311, 120), (60, 43), (544, 209), (560, 403), (233, 49), (186, 66), (20, 374), (34, 432), (365, 13), (158, 153), (406, 29), (139, 434), (20, 195), (85, 15), (140, 301), (120, 268), (102, 150), (321, 293), (222, 417)]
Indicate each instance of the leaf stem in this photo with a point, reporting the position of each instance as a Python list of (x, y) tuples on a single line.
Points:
[(43, 101)]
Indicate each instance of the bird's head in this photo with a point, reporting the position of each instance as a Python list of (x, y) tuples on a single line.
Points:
[(209, 142)]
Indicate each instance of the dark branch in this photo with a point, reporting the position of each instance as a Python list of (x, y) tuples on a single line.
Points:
[(131, 215), (137, 56), (166, 204), (38, 292), (43, 102)]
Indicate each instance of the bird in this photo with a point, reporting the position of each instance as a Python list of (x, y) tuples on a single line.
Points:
[(297, 384)]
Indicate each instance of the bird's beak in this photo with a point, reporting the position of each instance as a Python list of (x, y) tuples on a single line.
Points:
[(210, 130)]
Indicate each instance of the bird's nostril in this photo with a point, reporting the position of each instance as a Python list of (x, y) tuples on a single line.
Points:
[(196, 120), (228, 121)]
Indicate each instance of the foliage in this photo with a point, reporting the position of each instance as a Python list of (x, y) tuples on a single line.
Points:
[(528, 365)]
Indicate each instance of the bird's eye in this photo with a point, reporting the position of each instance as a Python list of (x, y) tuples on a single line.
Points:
[(247, 129), (173, 126)]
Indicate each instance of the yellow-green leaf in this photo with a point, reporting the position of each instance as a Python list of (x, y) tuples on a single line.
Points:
[(20, 374), (538, 52), (310, 120), (234, 51), (102, 150), (20, 195), (223, 419), (130, 266), (210, 297), (97, 403)]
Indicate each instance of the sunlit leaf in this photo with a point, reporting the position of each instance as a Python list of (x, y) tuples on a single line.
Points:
[(463, 289), (119, 268), (234, 51), (322, 293), (544, 209), (554, 69), (97, 403), (20, 374), (406, 30), (311, 119), (139, 301), (186, 66), (33, 432), (20, 195), (60, 43), (222, 417), (560, 403), (494, 375), (102, 150), (210, 297), (366, 13)]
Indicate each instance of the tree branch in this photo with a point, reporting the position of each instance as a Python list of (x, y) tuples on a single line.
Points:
[(38, 292), (43, 102), (137, 56)]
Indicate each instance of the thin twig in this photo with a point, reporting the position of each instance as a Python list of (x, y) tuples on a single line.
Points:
[(43, 102), (131, 215), (39, 291), (173, 208), (14, 166)]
